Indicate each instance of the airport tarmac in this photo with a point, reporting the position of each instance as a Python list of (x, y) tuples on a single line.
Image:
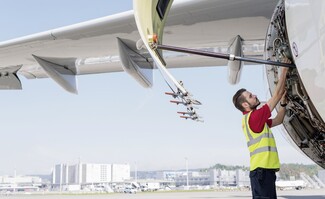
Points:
[(292, 194)]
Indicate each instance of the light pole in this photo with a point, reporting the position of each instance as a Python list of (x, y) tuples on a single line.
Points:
[(136, 172), (186, 163)]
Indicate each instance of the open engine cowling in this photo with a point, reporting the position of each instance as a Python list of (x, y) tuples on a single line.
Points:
[(303, 123)]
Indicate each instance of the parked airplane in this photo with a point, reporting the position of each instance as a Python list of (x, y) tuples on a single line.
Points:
[(268, 30), (287, 185)]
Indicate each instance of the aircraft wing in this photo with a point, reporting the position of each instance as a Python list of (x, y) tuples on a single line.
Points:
[(92, 47)]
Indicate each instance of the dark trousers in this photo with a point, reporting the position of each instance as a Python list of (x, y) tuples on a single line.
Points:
[(263, 183)]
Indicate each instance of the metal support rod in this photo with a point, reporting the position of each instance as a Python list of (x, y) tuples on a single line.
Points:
[(222, 55)]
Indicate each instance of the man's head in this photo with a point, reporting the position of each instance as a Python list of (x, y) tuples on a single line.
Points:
[(245, 100)]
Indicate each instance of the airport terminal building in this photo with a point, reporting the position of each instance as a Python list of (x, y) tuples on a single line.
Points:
[(77, 176), (85, 174), (213, 177)]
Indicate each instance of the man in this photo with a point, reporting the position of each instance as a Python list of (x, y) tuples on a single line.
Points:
[(256, 123)]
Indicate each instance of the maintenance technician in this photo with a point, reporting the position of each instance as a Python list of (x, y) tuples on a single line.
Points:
[(256, 123)]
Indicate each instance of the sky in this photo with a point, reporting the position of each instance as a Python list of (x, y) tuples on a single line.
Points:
[(113, 119)]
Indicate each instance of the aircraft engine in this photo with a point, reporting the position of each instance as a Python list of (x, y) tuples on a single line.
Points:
[(302, 122)]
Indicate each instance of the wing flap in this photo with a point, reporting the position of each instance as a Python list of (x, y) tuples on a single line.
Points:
[(136, 62), (235, 66), (9, 79), (61, 74)]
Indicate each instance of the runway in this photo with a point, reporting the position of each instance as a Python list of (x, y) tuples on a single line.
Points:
[(292, 194)]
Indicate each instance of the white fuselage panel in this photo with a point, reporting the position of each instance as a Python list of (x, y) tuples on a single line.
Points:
[(306, 28)]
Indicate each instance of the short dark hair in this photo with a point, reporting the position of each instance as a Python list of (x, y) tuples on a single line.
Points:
[(238, 99)]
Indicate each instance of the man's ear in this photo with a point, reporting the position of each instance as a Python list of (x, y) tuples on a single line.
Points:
[(245, 105)]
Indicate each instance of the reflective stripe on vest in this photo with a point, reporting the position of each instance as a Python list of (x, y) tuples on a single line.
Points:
[(253, 141), (263, 149)]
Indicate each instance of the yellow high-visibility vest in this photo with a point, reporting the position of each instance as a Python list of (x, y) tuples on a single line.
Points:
[(262, 146)]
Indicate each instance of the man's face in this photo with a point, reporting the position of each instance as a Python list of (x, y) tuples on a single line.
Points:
[(251, 100)]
